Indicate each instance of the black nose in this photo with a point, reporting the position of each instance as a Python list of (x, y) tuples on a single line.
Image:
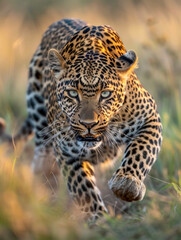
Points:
[(88, 124)]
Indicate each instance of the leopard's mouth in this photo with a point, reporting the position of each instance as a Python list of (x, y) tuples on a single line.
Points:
[(90, 142), (89, 138)]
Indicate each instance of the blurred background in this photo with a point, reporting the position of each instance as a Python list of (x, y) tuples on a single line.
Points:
[(152, 29)]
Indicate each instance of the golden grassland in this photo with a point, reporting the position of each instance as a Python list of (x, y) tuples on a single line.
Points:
[(26, 211)]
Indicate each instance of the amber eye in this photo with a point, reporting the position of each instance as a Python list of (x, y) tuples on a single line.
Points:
[(72, 93), (106, 94)]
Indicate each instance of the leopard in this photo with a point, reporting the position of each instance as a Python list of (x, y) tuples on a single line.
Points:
[(84, 103)]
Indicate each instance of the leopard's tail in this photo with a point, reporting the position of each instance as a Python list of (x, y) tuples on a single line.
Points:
[(23, 135)]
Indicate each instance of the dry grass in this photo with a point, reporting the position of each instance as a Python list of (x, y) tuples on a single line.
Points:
[(153, 31)]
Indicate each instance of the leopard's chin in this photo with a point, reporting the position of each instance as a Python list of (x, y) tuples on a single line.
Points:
[(89, 145)]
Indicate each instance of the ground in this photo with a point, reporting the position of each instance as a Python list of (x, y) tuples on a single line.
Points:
[(26, 211)]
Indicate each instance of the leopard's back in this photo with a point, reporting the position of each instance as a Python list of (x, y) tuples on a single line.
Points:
[(59, 33)]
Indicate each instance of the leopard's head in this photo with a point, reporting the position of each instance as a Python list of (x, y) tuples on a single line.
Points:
[(91, 74)]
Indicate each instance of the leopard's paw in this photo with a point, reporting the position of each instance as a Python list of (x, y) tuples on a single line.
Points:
[(127, 187)]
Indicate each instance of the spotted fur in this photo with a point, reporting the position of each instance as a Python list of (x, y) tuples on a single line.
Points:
[(84, 102)]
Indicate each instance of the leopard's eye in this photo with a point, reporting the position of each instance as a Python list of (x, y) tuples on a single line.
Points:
[(72, 93), (106, 94)]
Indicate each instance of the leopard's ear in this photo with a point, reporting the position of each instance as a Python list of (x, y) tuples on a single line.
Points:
[(127, 62), (56, 62)]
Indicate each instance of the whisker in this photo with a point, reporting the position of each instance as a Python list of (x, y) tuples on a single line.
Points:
[(99, 153), (47, 141), (110, 138), (48, 129), (67, 132), (113, 142), (128, 137)]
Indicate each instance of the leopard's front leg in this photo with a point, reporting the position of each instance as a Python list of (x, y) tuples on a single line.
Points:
[(141, 152), (82, 187)]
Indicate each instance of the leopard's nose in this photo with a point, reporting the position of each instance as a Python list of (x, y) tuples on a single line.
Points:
[(89, 124), (88, 118)]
